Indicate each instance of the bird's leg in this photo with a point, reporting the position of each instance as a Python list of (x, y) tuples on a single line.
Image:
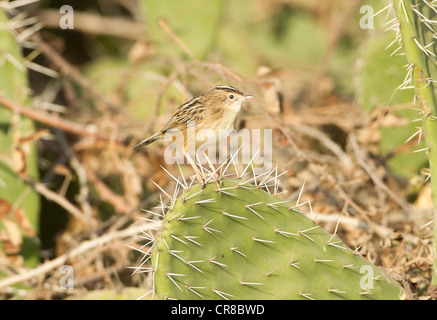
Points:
[(195, 168)]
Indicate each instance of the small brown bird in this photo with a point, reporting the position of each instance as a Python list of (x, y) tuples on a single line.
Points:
[(215, 111)]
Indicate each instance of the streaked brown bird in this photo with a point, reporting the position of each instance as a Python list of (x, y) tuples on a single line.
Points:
[(215, 111)]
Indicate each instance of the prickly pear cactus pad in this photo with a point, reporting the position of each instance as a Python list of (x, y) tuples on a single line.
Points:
[(239, 242)]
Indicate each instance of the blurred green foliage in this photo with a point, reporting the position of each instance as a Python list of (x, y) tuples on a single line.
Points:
[(241, 36), (193, 21), (236, 33), (381, 74), (14, 86)]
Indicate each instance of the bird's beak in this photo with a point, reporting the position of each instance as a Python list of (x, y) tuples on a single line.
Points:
[(248, 96)]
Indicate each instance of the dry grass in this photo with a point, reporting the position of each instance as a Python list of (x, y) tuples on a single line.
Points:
[(327, 145)]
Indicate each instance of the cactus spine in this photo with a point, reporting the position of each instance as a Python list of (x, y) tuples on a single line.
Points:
[(23, 155), (237, 241), (417, 25)]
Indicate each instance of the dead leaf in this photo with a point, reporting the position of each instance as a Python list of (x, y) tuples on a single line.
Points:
[(5, 208), (19, 161), (10, 249), (21, 218), (33, 136), (13, 232), (424, 199)]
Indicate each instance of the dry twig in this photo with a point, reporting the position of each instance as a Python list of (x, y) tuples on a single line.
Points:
[(96, 24), (60, 200), (53, 121), (373, 175), (84, 247)]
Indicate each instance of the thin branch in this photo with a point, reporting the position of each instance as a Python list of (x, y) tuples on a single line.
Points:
[(60, 200), (83, 196), (176, 39), (52, 121), (84, 247), (96, 24), (106, 194), (381, 231), (373, 175), (73, 73), (328, 143)]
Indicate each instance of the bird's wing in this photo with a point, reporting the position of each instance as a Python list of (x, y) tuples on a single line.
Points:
[(187, 115)]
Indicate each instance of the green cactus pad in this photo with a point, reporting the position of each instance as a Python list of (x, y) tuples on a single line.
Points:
[(240, 242)]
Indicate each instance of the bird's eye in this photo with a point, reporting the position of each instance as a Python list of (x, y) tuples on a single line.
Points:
[(231, 97)]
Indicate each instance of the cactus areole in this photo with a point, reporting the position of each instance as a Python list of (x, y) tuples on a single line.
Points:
[(237, 241)]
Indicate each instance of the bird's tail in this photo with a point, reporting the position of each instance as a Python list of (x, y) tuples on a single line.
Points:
[(148, 141)]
